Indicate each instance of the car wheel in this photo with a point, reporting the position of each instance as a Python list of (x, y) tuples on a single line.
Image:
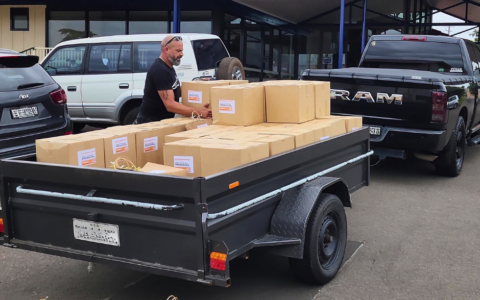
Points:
[(454, 152), (78, 127), (231, 68), (325, 242), (131, 116)]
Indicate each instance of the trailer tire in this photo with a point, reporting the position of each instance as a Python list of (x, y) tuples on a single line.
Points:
[(231, 68), (455, 150), (325, 242)]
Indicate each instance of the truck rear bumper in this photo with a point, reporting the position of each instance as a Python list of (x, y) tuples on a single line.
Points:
[(419, 140)]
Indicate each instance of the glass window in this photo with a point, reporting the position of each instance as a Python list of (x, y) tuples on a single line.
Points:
[(145, 55), (103, 23), (232, 41), (473, 56), (104, 59), (148, 22), (65, 26), (232, 20), (196, 22), (20, 73), (424, 56), (310, 52), (270, 60), (208, 53), (19, 19), (288, 56), (125, 60), (66, 61), (253, 56), (477, 52)]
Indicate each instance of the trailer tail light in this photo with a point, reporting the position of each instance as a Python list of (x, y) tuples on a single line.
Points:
[(439, 107), (68, 133), (415, 38), (59, 97), (2, 230), (217, 261)]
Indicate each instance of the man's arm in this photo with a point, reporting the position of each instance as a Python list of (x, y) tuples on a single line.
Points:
[(173, 106)]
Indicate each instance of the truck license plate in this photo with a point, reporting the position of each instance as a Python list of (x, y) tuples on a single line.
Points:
[(24, 112), (375, 130), (96, 232)]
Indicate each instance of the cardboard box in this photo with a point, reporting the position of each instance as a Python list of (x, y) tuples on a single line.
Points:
[(198, 93), (198, 124), (303, 136), (290, 102), (277, 143), (84, 151), (198, 133), (117, 144), (241, 105), (201, 158), (156, 169), (322, 98), (350, 123), (237, 82)]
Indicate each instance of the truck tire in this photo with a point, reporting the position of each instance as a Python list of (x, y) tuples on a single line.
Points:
[(325, 243), (455, 150), (231, 68), (131, 116)]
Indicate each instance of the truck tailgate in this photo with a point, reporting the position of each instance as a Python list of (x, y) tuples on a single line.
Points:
[(161, 233)]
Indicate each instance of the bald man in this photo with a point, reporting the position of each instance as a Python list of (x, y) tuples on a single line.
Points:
[(162, 87)]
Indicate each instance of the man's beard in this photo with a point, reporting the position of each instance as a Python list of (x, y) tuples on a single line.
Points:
[(175, 62)]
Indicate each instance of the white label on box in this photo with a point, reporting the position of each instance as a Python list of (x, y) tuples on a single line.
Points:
[(203, 125), (120, 145), (227, 107), (150, 144), (157, 172), (324, 138), (87, 157), (184, 162), (195, 97)]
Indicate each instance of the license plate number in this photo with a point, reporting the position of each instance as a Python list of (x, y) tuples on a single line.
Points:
[(96, 232), (24, 112), (375, 130)]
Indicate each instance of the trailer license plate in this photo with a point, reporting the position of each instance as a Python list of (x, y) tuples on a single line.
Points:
[(96, 232), (24, 112), (375, 130)]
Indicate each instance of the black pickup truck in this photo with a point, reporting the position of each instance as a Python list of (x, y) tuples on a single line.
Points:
[(418, 94)]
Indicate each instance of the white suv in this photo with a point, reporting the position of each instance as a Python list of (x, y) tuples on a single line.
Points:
[(104, 77)]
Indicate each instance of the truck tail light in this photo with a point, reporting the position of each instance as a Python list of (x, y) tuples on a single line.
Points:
[(439, 107), (217, 261), (414, 38), (59, 97), (2, 230)]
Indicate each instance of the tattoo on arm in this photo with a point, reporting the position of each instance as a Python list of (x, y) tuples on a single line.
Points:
[(163, 95)]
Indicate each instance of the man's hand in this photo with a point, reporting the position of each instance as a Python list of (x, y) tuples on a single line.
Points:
[(205, 111)]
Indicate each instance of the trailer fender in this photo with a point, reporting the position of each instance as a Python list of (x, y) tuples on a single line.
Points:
[(291, 217)]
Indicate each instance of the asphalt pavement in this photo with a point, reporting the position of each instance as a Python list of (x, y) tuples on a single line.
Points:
[(420, 236)]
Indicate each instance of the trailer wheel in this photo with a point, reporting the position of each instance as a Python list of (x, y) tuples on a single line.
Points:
[(455, 149), (325, 242), (231, 68)]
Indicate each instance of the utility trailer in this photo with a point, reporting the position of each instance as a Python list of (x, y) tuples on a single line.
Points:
[(290, 205)]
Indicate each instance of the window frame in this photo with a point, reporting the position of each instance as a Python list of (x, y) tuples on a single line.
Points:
[(87, 59), (471, 50), (82, 67), (15, 11)]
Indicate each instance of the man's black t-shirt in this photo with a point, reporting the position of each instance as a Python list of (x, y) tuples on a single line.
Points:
[(160, 77)]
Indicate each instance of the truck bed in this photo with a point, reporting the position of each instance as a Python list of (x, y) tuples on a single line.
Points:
[(167, 225)]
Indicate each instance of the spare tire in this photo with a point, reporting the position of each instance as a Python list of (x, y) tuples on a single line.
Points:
[(230, 68)]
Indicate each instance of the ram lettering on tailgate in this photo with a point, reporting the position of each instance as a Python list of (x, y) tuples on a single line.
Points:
[(397, 99)]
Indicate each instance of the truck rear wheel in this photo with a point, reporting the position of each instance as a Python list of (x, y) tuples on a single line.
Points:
[(231, 68), (455, 152), (325, 242)]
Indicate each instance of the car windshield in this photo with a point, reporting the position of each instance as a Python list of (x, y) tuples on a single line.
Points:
[(208, 53), (17, 73), (415, 55)]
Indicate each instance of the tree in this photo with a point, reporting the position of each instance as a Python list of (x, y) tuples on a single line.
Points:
[(475, 36), (71, 34)]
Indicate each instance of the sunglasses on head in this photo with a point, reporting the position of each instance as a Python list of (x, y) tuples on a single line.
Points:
[(176, 38)]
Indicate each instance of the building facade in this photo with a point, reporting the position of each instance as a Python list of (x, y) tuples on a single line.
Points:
[(273, 39)]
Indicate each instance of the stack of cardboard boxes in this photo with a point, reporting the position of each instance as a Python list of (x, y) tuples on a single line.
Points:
[(251, 122)]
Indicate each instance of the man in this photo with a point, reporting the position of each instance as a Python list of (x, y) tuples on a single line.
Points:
[(162, 88)]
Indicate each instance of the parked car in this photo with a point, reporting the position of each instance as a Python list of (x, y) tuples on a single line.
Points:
[(33, 105), (104, 77), (418, 94)]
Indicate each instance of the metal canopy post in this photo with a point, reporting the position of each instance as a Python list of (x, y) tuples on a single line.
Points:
[(364, 27), (342, 27), (176, 16)]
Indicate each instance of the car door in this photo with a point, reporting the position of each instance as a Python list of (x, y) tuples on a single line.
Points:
[(108, 80), (474, 86), (66, 65)]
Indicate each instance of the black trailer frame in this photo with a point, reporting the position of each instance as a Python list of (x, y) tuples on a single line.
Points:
[(169, 225)]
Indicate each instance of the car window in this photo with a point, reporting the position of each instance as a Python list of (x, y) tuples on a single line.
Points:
[(473, 56), (19, 73), (145, 54), (65, 61), (125, 60), (208, 53), (477, 53), (104, 58)]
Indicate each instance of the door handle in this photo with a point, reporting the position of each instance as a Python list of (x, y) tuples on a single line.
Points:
[(72, 88), (124, 86)]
